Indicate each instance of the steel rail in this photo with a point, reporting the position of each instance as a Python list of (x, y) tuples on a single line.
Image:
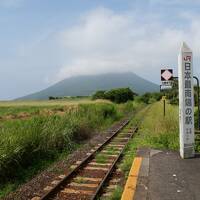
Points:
[(68, 177), (95, 196)]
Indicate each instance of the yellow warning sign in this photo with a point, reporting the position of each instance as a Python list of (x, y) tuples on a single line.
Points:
[(164, 98)]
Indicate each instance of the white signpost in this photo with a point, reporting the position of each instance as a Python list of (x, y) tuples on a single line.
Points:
[(186, 102)]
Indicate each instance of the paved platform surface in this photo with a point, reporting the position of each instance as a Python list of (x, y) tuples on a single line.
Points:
[(165, 176)]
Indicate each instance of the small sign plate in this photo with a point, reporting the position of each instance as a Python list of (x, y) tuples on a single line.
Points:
[(166, 79)]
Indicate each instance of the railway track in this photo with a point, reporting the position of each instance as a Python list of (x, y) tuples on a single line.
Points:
[(87, 179)]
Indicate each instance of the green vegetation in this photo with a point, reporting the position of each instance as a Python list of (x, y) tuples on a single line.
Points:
[(99, 95), (14, 112), (116, 194), (32, 144), (172, 94), (149, 98), (112, 150), (80, 180), (120, 95), (45, 103), (69, 98), (26, 109), (156, 131), (101, 158)]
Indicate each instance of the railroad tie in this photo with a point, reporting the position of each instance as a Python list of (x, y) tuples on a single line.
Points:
[(116, 145), (87, 179), (107, 151), (122, 138), (100, 164), (55, 182), (73, 191), (36, 198), (96, 168), (89, 185)]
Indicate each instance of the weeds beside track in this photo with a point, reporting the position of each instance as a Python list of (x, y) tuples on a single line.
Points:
[(88, 178)]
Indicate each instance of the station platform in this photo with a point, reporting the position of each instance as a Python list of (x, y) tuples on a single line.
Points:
[(163, 175)]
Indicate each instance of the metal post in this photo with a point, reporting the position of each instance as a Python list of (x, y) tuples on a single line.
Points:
[(198, 101), (164, 101), (164, 105)]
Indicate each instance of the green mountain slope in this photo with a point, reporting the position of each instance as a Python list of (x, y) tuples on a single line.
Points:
[(86, 85)]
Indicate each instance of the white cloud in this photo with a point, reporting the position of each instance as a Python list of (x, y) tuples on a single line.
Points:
[(105, 41)]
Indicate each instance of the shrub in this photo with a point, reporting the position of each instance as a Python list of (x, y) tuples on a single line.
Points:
[(174, 101), (150, 97), (99, 95), (152, 100), (145, 98), (51, 98), (120, 95)]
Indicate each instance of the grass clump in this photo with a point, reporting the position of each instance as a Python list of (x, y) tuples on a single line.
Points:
[(116, 195), (80, 180), (101, 158)]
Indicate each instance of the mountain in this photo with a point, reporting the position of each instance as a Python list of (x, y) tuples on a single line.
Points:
[(86, 85)]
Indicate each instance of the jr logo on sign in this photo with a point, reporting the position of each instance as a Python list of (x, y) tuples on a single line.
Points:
[(187, 58)]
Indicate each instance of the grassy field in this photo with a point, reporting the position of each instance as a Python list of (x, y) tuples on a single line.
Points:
[(156, 131), (40, 103), (31, 144), (34, 107)]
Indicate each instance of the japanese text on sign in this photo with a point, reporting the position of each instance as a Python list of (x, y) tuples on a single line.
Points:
[(188, 96)]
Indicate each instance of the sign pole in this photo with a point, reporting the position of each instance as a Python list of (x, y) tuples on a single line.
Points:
[(164, 107), (186, 102)]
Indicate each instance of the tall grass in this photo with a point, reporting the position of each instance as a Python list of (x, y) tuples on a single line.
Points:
[(41, 137), (32, 108), (156, 131), (41, 103), (30, 142), (160, 131)]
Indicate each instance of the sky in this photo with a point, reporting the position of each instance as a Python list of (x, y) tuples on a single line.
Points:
[(43, 42)]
